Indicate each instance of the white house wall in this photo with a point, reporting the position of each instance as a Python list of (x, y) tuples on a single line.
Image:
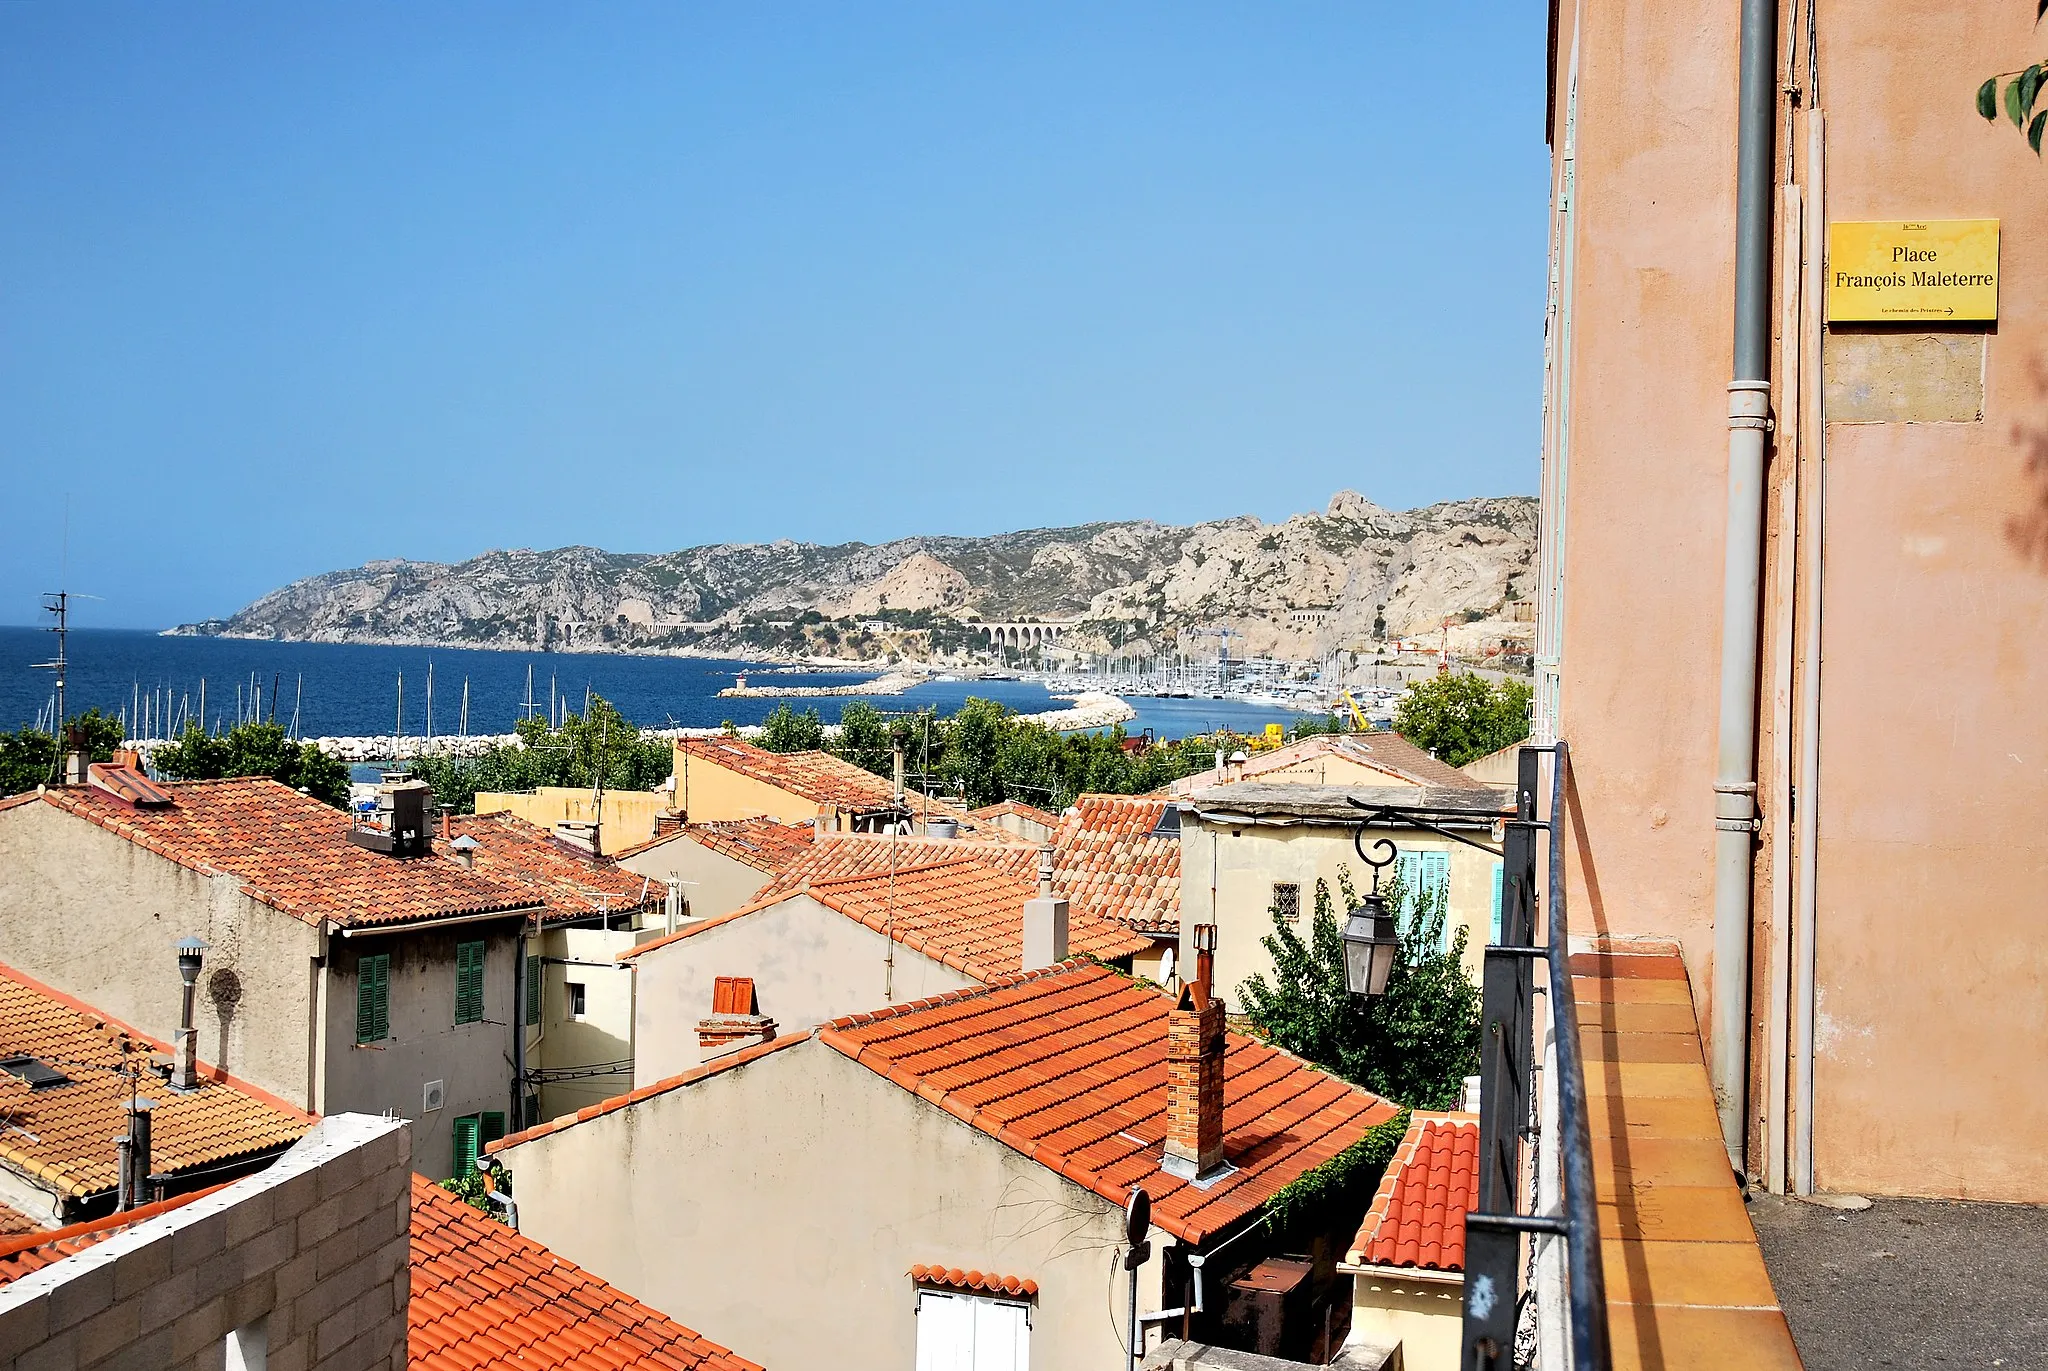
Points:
[(783, 1202), (810, 964)]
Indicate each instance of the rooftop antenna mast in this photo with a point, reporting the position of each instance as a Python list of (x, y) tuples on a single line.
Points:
[(58, 604)]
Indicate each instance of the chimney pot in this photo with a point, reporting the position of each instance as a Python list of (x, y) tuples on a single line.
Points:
[(185, 1046), (1045, 929), (1194, 1084)]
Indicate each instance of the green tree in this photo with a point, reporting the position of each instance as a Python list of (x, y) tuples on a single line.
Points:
[(599, 742), (1459, 717), (254, 749), (1416, 1043), (28, 757), (788, 731)]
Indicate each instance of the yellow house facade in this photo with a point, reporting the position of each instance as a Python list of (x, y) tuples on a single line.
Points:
[(1248, 847)]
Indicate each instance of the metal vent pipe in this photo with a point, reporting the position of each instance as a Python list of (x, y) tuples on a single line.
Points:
[(1749, 410)]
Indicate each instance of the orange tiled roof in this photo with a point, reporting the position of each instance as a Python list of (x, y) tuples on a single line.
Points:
[(1106, 861), (61, 1136), (761, 843), (33, 1250), (1021, 810), (567, 882), (962, 913), (1382, 751), (1418, 1217), (292, 853), (973, 1280), (818, 777), (484, 1297), (1068, 1067), (836, 855), (14, 1223)]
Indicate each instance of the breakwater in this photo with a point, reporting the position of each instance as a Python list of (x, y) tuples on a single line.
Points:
[(894, 683), (1087, 710)]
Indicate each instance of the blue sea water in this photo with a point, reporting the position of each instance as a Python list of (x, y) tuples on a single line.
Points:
[(352, 690)]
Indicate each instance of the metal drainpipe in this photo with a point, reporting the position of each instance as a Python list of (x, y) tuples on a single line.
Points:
[(519, 1030), (1749, 407)]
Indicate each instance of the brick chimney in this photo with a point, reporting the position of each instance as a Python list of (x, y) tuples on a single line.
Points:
[(736, 1020), (1194, 1084), (1045, 920)]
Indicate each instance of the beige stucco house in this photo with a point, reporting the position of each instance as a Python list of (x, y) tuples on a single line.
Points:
[(604, 821), (721, 865), (866, 922), (959, 1163), (336, 976), (1793, 622), (1248, 847)]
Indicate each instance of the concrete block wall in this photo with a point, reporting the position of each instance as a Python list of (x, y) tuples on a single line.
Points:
[(303, 1266)]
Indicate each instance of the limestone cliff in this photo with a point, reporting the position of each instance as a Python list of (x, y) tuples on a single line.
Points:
[(1314, 583)]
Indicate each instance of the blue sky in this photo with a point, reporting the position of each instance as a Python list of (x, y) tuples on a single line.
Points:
[(284, 288)]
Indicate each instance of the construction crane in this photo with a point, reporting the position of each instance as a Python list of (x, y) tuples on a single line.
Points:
[(1357, 714)]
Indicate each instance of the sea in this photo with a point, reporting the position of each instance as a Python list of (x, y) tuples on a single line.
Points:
[(353, 690)]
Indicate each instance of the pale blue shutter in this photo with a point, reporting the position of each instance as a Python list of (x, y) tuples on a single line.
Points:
[(1498, 872)]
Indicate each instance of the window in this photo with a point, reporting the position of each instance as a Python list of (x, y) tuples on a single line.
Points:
[(1426, 877), (373, 998), (473, 1133), (532, 990), (576, 999), (1287, 900), (469, 982), (971, 1333)]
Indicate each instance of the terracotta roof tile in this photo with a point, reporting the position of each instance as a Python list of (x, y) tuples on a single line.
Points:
[(761, 843), (483, 1297), (1020, 809), (818, 777), (14, 1223), (837, 855), (824, 779), (1107, 860), (1068, 1067), (938, 1273), (292, 853), (567, 882), (1381, 751), (1418, 1217), (60, 1136)]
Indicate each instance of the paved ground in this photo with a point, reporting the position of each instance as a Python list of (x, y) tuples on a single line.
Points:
[(1910, 1283)]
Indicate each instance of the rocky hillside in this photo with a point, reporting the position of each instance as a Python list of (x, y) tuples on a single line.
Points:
[(1315, 583)]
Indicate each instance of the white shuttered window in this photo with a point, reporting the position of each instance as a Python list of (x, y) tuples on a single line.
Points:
[(971, 1333)]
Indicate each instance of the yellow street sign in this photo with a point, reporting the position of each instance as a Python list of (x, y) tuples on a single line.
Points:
[(1893, 271)]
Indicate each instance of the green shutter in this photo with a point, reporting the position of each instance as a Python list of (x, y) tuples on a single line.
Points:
[(469, 982), (373, 998), (494, 1129), (532, 989), (467, 1128)]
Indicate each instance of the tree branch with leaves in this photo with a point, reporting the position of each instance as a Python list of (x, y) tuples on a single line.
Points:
[(2022, 90)]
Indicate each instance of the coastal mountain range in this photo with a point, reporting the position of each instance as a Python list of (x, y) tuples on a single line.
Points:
[(1317, 582)]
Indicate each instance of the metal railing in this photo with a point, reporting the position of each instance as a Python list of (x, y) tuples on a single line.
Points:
[(1496, 1230)]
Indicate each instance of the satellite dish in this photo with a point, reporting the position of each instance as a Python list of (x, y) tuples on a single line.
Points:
[(1137, 1216)]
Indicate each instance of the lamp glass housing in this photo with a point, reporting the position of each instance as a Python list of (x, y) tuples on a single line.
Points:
[(1370, 942)]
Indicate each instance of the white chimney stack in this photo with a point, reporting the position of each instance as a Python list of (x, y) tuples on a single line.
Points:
[(1045, 920)]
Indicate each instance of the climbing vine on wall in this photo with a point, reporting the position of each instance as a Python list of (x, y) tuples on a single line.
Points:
[(1345, 1176)]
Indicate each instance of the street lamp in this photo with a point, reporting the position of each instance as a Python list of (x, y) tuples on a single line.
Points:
[(1370, 936)]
